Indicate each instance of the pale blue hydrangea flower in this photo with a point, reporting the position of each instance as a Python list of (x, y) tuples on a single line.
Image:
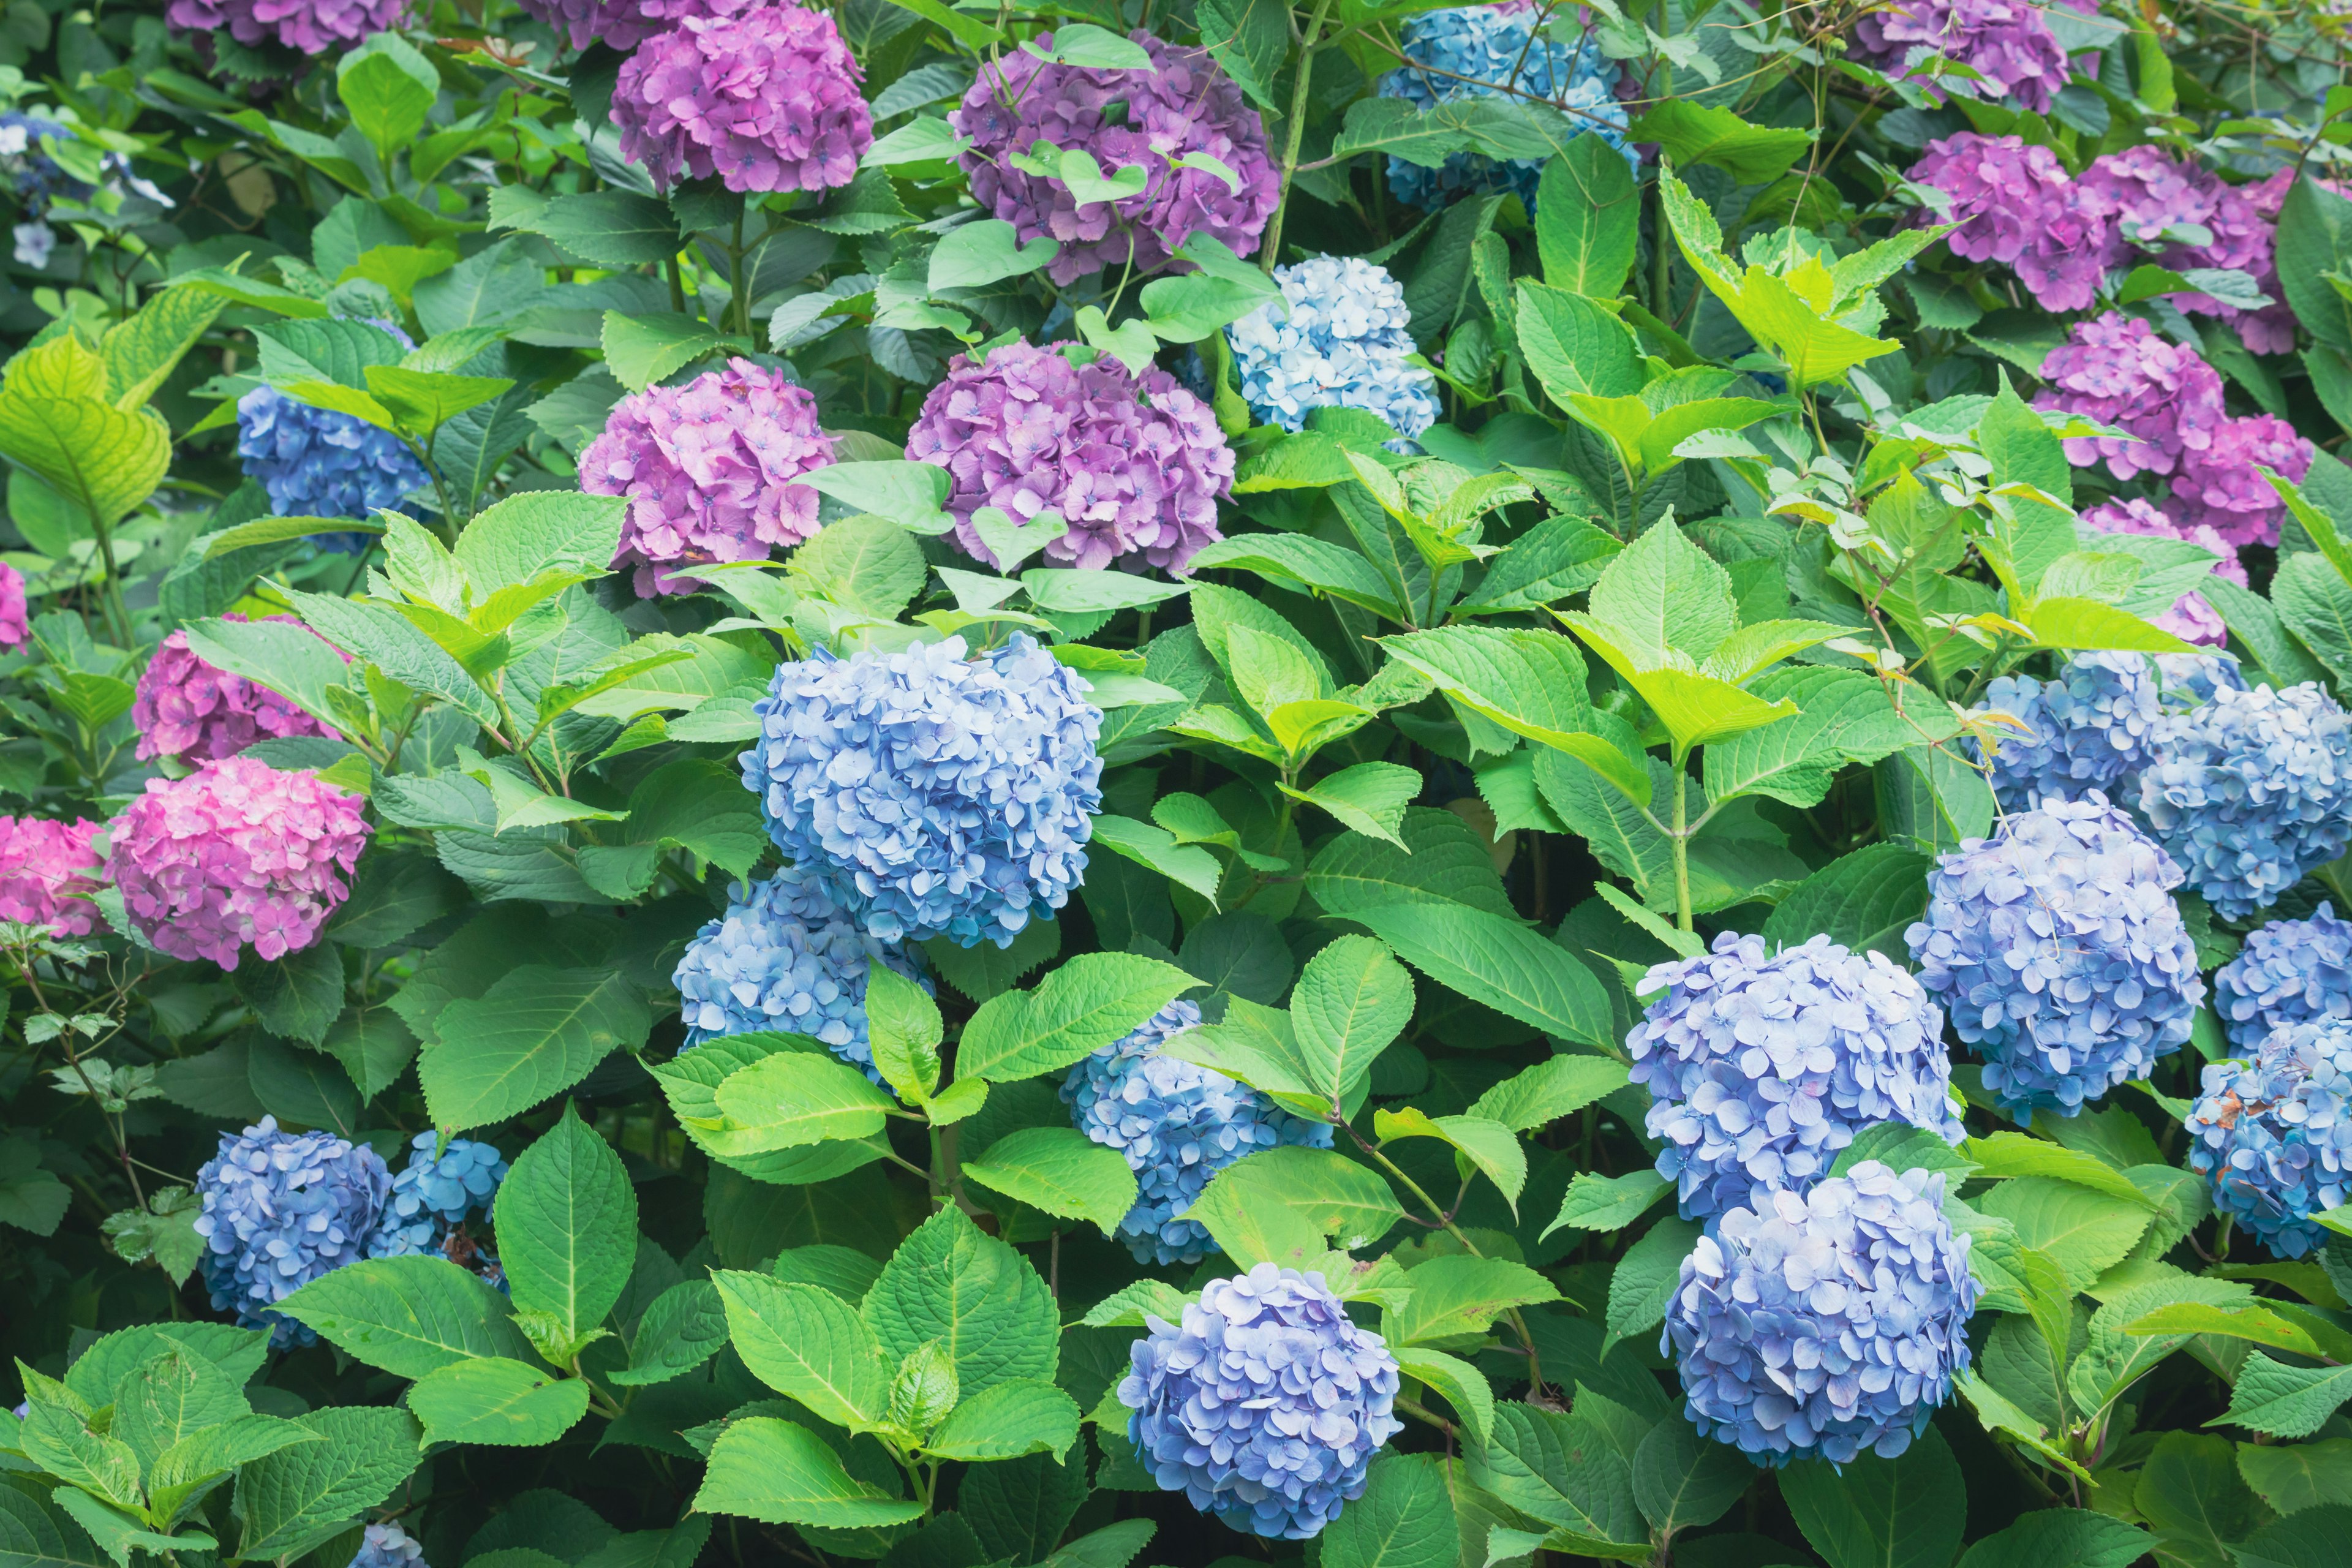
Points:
[(2060, 954), (2251, 791), (2289, 972), (317, 462), (1760, 1070), (2092, 725), (785, 956), (2274, 1134), (935, 795), (2190, 679), (1472, 52), (280, 1210), (1342, 346), (1824, 1325), (432, 1196), (1266, 1405), (1178, 1125), (388, 1546)]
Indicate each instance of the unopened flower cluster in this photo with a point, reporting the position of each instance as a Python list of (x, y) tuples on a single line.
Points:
[(2058, 951), (2007, 43), (2275, 1134), (1176, 1124), (1825, 1323), (2250, 791), (47, 870), (1264, 1406), (1150, 120), (434, 1193), (766, 101), (2192, 617), (1342, 344), (1133, 464), (190, 708), (1761, 1069), (2288, 972), (309, 26), (707, 468), (280, 1210)]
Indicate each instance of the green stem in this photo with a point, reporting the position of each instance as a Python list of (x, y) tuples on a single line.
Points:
[(1293, 133), (735, 275), (1660, 263), (1682, 844), (110, 584), (1445, 1219)]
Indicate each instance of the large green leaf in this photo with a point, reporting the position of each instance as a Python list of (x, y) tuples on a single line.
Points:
[(1060, 1170), (1351, 1004), (1500, 963), (975, 1296), (1588, 220), (2314, 239), (567, 1221), (797, 1098), (1573, 345), (1865, 900), (1404, 1519), (409, 1316), (2283, 1401), (297, 1497), (535, 1033), (1080, 1007), (1283, 1204), (783, 1473), (808, 1343), (102, 459), (504, 1404), (1903, 1512)]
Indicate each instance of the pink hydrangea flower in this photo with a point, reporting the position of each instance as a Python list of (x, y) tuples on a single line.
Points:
[(2007, 43), (13, 627), (625, 24), (707, 468), (189, 708), (42, 864), (766, 101), (2148, 190), (2192, 617), (2015, 205), (312, 26), (237, 855), (1133, 464), (2116, 370), (2222, 488), (1183, 105)]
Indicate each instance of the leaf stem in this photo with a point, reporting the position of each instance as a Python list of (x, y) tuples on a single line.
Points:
[(1294, 132), (1682, 844)]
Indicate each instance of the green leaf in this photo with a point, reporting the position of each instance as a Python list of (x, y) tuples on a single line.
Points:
[(1685, 1481), (534, 1032), (2314, 238), (1443, 862), (1864, 901), (1491, 1148), (781, 1473), (1844, 716), (974, 1295), (1664, 592), (1369, 797), (2190, 1494), (604, 228), (1564, 1470), (1250, 38), (1554, 1088), (988, 251), (505, 1403), (2061, 1538), (539, 531), (140, 354), (1220, 290), (1644, 1279), (297, 1497), (2292, 1477), (1595, 1201), (1691, 132), (798, 1098), (409, 1316), (2284, 1401), (423, 401), (685, 1326), (2085, 623), (1082, 1006), (1405, 1518), (1573, 345), (1905, 1512), (2313, 1538), (641, 349), (2084, 1232), (1458, 1297), (568, 1225), (807, 1344), (1060, 1170), (1003, 1422), (1352, 1003), (1532, 683), (1588, 220), (1281, 1205), (101, 459), (1499, 962)]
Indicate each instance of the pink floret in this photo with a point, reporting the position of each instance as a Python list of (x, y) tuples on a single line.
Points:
[(2116, 370), (44, 864)]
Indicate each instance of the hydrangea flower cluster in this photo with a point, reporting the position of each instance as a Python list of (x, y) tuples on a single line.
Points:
[(433, 1195), (932, 793), (2087, 728), (2251, 790), (317, 462), (1761, 1069), (2148, 192), (2115, 369), (2274, 1134), (1475, 51), (34, 177), (1342, 346), (2008, 44), (768, 101), (238, 854), (2015, 205), (1183, 105), (280, 1209), (709, 470), (1264, 1406), (388, 1546), (625, 24), (2057, 948), (2220, 489), (1825, 1325), (2192, 617), (14, 625), (190, 708), (786, 956), (1177, 1125), (2289, 972), (47, 870), (309, 26), (1133, 464)]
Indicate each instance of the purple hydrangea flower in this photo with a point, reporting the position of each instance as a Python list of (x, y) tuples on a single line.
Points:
[(2192, 617), (317, 462), (2251, 790), (2150, 192), (1266, 1405), (2010, 45), (1826, 1324), (786, 956), (13, 627), (280, 1210), (625, 24), (188, 708), (1133, 464), (238, 854), (933, 794), (48, 868), (1125, 120), (1341, 345), (1761, 1069), (766, 101), (388, 1546), (310, 27), (2289, 972), (1177, 1125), (2015, 205), (2060, 954), (2116, 370), (433, 1195), (2274, 1134), (2222, 488)]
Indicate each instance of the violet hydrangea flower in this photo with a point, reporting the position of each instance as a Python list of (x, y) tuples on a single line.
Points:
[(237, 855), (2116, 370), (310, 27), (1341, 345), (2057, 948), (766, 101), (190, 708), (709, 470), (280, 1209), (434, 1193), (2274, 1134), (625, 24), (388, 1546), (1133, 464), (2015, 205), (2250, 791), (2220, 489), (2159, 201), (1148, 119), (48, 868), (1264, 1406), (2007, 42), (13, 627), (2288, 972), (1761, 1069), (1827, 1324), (1176, 1124), (934, 795)]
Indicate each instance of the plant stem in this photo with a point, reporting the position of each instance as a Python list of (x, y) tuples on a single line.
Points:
[(1661, 265), (1682, 844), (110, 588), (1293, 133)]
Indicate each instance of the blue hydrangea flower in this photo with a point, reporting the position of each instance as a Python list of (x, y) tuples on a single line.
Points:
[(280, 1210), (2058, 951), (1827, 1324), (2190, 679), (1342, 346), (1178, 1125), (2274, 1134), (1474, 52), (431, 1197), (2092, 725), (316, 462), (785, 956), (2251, 791), (2289, 972), (388, 1546), (935, 795), (1266, 1405), (1761, 1069), (34, 177)]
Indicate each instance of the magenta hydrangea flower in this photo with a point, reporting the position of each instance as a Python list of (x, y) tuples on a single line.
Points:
[(43, 865), (2008, 44), (237, 855), (14, 628), (766, 101), (707, 468), (2222, 488), (1127, 118), (625, 24), (1133, 464), (2192, 617), (2015, 205), (190, 708), (2148, 192), (2116, 370), (312, 26)]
